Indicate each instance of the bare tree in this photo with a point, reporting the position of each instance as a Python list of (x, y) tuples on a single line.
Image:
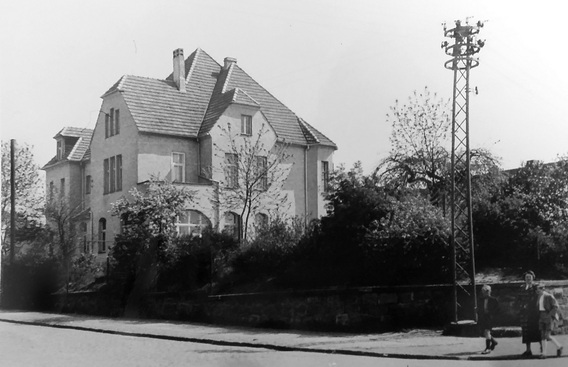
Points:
[(60, 220), (254, 172)]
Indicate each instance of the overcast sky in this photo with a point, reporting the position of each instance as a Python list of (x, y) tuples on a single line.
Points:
[(338, 64)]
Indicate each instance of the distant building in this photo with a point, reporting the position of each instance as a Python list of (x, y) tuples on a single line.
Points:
[(173, 129)]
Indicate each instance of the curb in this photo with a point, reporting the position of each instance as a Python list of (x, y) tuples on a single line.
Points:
[(280, 348)]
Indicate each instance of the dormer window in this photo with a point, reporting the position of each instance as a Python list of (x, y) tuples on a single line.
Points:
[(246, 125), (60, 148), (112, 123)]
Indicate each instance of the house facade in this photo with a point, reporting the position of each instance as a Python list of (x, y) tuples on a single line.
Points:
[(195, 129)]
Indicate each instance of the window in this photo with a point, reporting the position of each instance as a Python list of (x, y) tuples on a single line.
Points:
[(232, 224), (107, 125), (106, 176), (178, 167), (51, 190), (112, 123), (246, 125), (261, 173), (88, 184), (192, 222), (112, 168), (62, 187), (261, 220), (119, 172), (116, 122), (325, 175), (102, 235), (231, 170), (112, 182), (83, 230), (60, 149)]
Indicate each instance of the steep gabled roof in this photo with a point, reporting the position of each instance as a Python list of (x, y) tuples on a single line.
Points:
[(157, 106), (81, 148)]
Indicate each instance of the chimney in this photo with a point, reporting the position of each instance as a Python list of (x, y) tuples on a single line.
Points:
[(179, 69), (229, 61)]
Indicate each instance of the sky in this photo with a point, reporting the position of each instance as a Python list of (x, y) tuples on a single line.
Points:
[(338, 64)]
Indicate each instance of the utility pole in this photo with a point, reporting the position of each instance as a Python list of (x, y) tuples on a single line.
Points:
[(464, 47)]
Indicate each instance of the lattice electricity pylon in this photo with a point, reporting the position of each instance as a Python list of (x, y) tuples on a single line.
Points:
[(461, 241)]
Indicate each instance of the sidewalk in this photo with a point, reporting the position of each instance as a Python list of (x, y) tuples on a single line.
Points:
[(416, 344)]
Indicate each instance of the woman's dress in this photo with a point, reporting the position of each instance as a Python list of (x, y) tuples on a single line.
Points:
[(529, 315)]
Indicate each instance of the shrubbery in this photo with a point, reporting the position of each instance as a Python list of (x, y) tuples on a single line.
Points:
[(29, 282), (270, 252)]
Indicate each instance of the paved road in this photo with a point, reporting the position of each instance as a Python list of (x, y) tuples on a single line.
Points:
[(23, 345), (39, 339)]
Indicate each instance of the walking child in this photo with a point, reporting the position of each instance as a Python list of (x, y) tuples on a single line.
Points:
[(487, 308)]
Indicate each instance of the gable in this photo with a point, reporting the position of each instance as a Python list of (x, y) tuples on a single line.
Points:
[(286, 123)]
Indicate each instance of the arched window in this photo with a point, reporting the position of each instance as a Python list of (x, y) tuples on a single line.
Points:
[(232, 224), (102, 235), (192, 222), (261, 220)]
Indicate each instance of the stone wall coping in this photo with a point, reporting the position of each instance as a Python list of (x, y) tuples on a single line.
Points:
[(333, 290), (347, 290)]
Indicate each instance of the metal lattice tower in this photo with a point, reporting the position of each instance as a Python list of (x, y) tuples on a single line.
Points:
[(464, 47)]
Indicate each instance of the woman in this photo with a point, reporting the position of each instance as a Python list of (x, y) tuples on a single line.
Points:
[(548, 310), (529, 313)]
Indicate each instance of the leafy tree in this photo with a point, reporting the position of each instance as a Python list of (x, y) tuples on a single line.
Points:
[(410, 244), (253, 173), (332, 249), (153, 211), (373, 235), (420, 155), (29, 193), (524, 223), (354, 201), (148, 220)]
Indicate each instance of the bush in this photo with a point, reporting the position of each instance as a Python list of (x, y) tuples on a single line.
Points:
[(29, 284), (269, 253), (182, 263), (84, 268)]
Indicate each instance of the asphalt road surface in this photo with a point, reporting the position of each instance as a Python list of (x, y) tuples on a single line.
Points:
[(30, 346)]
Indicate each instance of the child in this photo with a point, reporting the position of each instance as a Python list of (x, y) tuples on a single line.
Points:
[(547, 307), (486, 310)]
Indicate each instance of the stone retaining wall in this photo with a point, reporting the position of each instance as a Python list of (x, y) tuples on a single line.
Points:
[(349, 309)]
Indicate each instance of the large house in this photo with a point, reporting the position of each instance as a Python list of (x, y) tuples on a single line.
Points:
[(189, 129)]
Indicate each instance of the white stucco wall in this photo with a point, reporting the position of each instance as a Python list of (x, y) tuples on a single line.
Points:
[(103, 148), (155, 157), (226, 133)]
